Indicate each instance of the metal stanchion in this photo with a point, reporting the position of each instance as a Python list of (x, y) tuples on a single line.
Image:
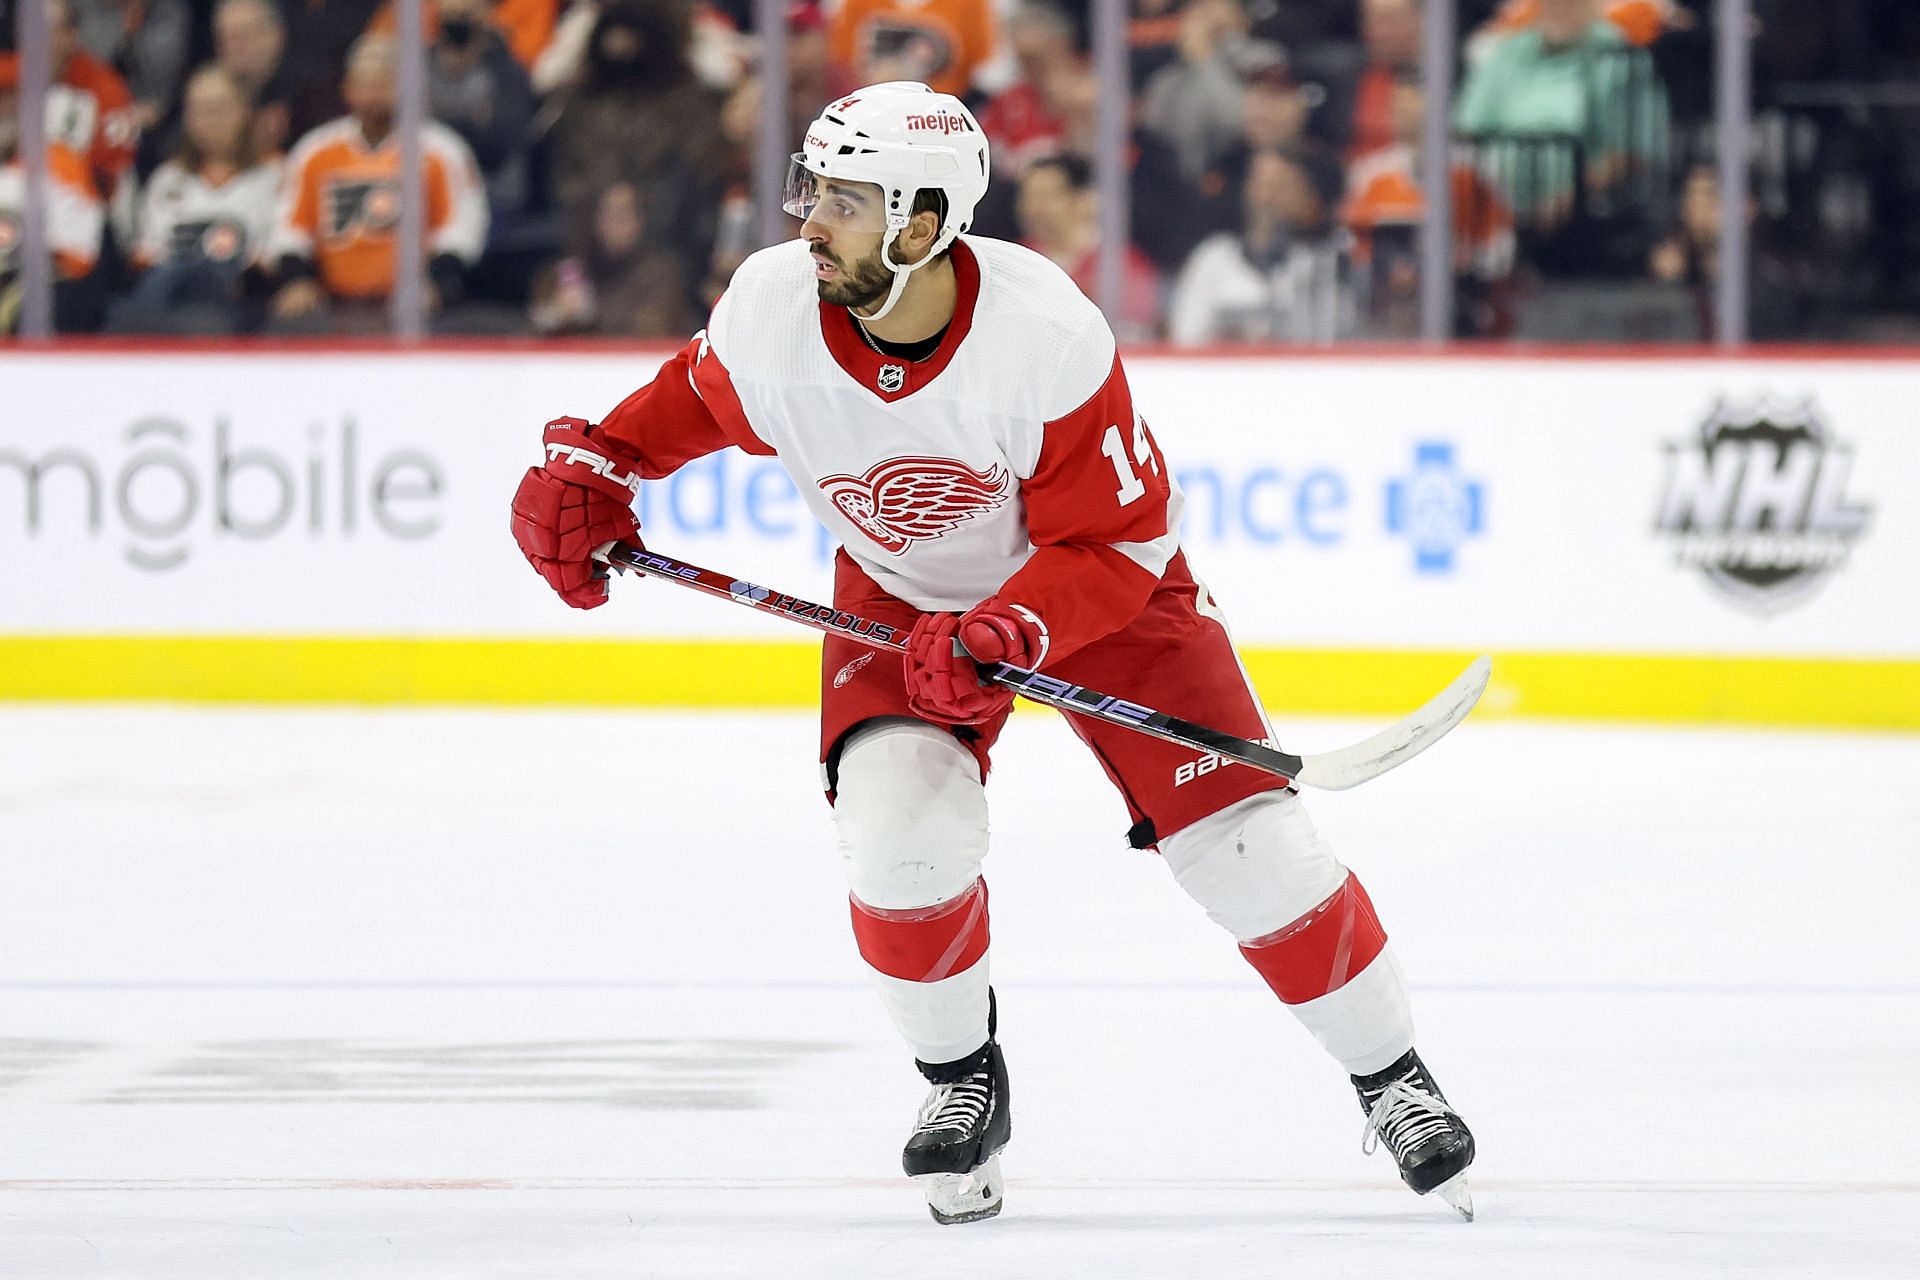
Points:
[(409, 280), (1733, 105), (1436, 173), (772, 146), (36, 262), (1110, 155)]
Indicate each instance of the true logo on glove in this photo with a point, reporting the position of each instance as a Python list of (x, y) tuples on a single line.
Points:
[(906, 500), (593, 462)]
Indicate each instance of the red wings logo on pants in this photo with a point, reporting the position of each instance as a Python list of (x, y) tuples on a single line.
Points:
[(906, 500)]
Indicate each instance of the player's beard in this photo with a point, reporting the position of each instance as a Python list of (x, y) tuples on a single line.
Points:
[(860, 285)]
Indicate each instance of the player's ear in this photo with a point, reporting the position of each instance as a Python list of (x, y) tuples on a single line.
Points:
[(922, 230)]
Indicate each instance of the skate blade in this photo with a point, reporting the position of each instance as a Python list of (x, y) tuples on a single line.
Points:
[(964, 1197), (1456, 1193)]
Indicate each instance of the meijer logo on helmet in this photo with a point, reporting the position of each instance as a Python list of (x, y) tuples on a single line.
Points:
[(943, 122)]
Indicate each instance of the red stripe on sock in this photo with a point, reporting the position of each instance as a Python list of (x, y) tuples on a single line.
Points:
[(1319, 952), (925, 944)]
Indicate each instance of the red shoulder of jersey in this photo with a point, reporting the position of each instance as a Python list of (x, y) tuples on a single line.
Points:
[(689, 410)]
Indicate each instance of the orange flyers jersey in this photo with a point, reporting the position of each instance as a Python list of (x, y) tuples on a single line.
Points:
[(90, 109), (1640, 21), (75, 215), (341, 205), (526, 25), (1384, 191), (1010, 463), (939, 42)]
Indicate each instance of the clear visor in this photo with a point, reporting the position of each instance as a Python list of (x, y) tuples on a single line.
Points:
[(833, 202)]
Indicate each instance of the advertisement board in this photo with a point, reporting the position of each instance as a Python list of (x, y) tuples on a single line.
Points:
[(1605, 519)]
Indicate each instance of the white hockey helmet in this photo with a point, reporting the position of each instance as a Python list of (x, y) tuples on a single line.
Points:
[(904, 138)]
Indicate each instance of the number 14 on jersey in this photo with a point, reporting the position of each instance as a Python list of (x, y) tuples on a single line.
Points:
[(1127, 470)]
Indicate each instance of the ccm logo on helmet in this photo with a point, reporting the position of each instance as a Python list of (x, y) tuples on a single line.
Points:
[(594, 462), (943, 122)]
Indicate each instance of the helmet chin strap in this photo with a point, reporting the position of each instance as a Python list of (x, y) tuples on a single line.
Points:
[(901, 270)]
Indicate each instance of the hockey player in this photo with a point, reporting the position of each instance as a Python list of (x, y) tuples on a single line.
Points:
[(953, 410)]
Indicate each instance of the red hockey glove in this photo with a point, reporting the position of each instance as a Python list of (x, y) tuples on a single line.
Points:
[(579, 500), (996, 632), (943, 684)]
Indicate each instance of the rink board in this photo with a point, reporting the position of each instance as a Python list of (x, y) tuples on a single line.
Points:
[(1729, 540)]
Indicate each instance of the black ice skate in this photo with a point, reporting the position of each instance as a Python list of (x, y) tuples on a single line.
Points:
[(954, 1153), (1406, 1111)]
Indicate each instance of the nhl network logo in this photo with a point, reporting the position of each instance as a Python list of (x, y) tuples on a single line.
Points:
[(1758, 503)]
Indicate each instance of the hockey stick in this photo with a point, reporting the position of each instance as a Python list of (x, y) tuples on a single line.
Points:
[(1327, 771)]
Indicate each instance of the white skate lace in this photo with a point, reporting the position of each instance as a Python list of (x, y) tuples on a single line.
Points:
[(956, 1106), (1405, 1117)]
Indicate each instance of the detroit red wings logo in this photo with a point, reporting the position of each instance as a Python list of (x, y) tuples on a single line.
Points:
[(906, 500)]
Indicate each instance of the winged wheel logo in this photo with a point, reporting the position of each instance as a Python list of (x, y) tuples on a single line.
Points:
[(906, 500)]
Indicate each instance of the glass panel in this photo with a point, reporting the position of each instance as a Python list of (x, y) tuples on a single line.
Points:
[(58, 285), (647, 133), (1039, 109), (1836, 172), (1580, 129), (1250, 119), (168, 128)]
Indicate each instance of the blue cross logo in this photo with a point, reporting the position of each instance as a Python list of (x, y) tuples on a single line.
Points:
[(1435, 508)]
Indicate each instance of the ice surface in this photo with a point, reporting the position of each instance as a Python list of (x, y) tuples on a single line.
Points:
[(424, 995)]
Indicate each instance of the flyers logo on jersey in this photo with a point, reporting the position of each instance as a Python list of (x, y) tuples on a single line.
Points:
[(360, 206), (906, 500)]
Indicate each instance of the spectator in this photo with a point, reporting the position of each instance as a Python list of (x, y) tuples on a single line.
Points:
[(1385, 204), (939, 42), (477, 89), (1162, 205), (89, 107), (642, 114), (250, 44), (1570, 77), (615, 285), (1283, 276), (1690, 251), (814, 76), (562, 65), (319, 35), (1689, 254), (737, 216), (335, 234), (1060, 217), (1153, 40), (205, 216), (146, 41), (75, 217), (1390, 35), (525, 26), (1194, 104), (1298, 25), (1640, 21), (1274, 114), (1017, 120)]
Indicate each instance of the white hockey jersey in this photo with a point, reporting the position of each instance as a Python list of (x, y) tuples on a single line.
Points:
[(1010, 463), (182, 215)]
